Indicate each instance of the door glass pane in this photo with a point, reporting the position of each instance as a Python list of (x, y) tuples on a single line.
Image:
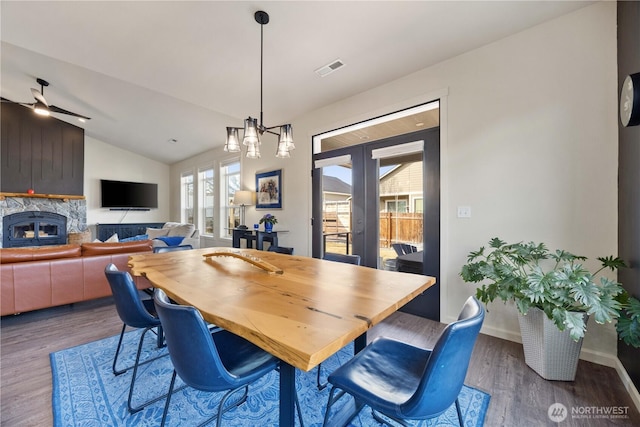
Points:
[(337, 209), (400, 207)]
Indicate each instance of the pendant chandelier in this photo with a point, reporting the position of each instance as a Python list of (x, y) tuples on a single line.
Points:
[(254, 130)]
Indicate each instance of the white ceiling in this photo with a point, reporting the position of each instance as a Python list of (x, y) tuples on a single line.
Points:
[(150, 71)]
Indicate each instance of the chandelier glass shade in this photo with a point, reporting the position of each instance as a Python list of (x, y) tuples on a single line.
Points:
[(252, 130)]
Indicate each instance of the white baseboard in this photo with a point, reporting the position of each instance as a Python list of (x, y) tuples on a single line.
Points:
[(628, 384)]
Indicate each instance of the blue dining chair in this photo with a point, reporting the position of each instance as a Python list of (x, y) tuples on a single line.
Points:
[(404, 382), (136, 313), (213, 362), (347, 259), (281, 250)]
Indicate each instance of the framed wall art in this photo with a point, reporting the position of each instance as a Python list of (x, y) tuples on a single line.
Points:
[(269, 190)]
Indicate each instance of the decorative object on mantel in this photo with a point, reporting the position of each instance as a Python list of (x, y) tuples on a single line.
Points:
[(268, 220), (243, 198), (556, 290), (269, 190), (252, 130)]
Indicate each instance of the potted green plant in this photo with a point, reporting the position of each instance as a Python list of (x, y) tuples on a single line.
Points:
[(556, 291), (268, 220)]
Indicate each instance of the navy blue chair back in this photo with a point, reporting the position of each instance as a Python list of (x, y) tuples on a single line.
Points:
[(281, 249), (447, 366), (130, 308), (347, 259), (198, 356)]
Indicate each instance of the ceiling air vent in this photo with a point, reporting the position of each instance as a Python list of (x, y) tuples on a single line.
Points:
[(329, 68)]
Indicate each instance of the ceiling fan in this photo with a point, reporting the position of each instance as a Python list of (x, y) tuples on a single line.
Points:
[(42, 107)]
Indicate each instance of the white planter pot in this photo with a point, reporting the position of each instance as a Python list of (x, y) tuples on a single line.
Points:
[(547, 350)]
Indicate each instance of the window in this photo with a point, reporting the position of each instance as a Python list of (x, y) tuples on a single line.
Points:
[(230, 177), (399, 206), (206, 200), (417, 205), (186, 198)]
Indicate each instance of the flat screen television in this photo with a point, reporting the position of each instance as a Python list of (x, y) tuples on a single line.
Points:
[(128, 195)]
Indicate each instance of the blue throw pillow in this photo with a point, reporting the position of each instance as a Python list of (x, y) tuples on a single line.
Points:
[(134, 238), (171, 241)]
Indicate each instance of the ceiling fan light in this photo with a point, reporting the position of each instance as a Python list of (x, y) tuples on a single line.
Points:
[(232, 145), (41, 109)]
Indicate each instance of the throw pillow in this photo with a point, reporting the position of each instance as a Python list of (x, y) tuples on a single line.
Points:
[(184, 230), (171, 241), (112, 239), (156, 232), (135, 238)]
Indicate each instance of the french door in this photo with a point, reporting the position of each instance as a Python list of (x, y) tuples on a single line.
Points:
[(369, 196)]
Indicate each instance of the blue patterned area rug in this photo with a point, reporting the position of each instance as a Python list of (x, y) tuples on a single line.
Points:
[(86, 393)]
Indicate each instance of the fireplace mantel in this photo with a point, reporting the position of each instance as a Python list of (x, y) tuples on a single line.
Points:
[(64, 197)]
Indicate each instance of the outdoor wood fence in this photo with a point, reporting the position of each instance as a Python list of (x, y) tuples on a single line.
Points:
[(394, 227)]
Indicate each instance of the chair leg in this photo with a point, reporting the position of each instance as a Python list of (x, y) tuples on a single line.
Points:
[(459, 413), (378, 418), (115, 358), (166, 403), (222, 410), (133, 410), (299, 410), (344, 419), (321, 385)]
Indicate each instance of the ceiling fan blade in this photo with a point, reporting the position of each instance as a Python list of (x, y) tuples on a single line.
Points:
[(24, 104), (55, 109), (38, 96)]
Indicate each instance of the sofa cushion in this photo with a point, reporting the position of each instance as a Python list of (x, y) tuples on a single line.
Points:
[(178, 229), (36, 253), (93, 249), (157, 232)]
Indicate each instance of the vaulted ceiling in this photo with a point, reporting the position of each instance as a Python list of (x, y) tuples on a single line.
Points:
[(149, 72)]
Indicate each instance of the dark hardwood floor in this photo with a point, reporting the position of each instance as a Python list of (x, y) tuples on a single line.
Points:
[(519, 397)]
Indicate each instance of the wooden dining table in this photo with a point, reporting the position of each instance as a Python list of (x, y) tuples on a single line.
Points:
[(301, 310)]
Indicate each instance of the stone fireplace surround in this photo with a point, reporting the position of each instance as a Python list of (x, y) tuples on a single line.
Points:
[(73, 208)]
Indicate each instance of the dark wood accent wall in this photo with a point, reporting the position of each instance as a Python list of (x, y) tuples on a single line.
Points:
[(629, 175), (42, 153)]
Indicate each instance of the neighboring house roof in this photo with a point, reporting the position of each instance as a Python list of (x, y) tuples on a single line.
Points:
[(331, 184)]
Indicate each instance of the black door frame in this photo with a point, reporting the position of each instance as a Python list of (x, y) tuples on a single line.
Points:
[(365, 205)]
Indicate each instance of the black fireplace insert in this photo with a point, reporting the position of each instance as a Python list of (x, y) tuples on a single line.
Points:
[(34, 228)]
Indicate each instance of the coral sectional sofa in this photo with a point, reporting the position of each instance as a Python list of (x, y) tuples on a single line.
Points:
[(46, 276)]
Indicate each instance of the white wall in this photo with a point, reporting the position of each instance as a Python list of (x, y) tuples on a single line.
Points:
[(528, 140), (104, 161)]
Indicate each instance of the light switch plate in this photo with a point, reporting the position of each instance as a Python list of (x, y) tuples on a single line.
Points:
[(464, 211)]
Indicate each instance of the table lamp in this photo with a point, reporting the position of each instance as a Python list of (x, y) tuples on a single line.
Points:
[(243, 198)]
